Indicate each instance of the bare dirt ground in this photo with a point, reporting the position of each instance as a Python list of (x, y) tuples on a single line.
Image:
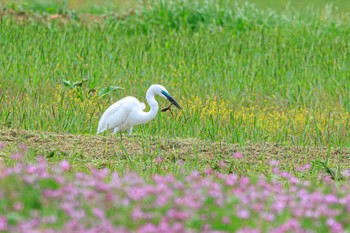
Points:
[(21, 16), (104, 146)]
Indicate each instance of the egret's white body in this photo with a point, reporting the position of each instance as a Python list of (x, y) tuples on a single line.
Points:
[(127, 112)]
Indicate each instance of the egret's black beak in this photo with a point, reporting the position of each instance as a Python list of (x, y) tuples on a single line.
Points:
[(174, 102), (171, 99)]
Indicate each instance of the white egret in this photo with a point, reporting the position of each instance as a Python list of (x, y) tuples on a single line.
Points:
[(127, 112)]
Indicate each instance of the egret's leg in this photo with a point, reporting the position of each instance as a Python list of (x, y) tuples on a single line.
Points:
[(121, 136), (115, 130), (130, 131)]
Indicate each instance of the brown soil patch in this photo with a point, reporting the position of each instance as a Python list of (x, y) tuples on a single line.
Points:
[(104, 146), (22, 16)]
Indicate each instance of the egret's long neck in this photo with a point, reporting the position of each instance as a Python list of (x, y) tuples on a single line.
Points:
[(153, 104)]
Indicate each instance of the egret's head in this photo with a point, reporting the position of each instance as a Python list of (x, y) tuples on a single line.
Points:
[(161, 91)]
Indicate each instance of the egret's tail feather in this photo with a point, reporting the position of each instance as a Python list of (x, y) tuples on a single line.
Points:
[(143, 106), (100, 128)]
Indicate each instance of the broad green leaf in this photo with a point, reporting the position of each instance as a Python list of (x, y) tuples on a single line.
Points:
[(108, 89), (79, 83), (68, 83)]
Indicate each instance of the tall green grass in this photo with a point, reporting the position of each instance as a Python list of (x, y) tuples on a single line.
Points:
[(234, 53)]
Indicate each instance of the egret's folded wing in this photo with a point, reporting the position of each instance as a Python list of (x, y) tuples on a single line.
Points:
[(118, 118), (114, 116)]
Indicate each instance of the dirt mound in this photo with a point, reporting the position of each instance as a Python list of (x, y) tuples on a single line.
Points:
[(101, 146)]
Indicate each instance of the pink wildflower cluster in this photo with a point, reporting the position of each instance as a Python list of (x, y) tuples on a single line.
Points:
[(40, 198)]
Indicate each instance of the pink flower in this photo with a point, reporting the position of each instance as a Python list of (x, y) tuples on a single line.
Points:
[(2, 145), (16, 156), (238, 155), (18, 206), (147, 228), (138, 214), (208, 171), (221, 164), (268, 216), (159, 160), (334, 225), (230, 179), (243, 213), (23, 147), (274, 163), (31, 169), (64, 165), (346, 173), (98, 213), (226, 220), (177, 227), (179, 215), (49, 219), (3, 223), (244, 181), (330, 198), (248, 230), (303, 168), (180, 163), (137, 193)]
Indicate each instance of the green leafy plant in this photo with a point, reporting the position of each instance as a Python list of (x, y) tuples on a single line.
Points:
[(81, 90)]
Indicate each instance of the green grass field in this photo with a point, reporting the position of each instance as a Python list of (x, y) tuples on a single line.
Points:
[(268, 79), (242, 74), (236, 74)]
